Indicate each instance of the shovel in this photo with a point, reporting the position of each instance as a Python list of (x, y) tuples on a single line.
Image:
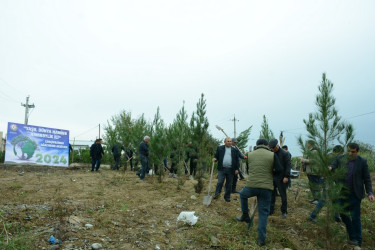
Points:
[(207, 199)]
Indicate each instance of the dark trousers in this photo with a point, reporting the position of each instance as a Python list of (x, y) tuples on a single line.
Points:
[(264, 200), (225, 175), (144, 168), (95, 162), (352, 217), (281, 186), (173, 169), (131, 164), (117, 162), (234, 184), (193, 167), (315, 183)]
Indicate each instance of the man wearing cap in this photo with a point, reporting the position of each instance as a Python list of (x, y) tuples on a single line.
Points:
[(285, 147), (228, 164), (235, 177), (280, 181), (262, 165)]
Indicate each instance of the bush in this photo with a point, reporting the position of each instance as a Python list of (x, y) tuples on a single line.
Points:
[(2, 157)]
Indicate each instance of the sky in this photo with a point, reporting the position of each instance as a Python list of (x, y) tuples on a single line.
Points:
[(83, 62)]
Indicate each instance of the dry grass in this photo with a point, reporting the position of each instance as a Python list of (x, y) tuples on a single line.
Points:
[(126, 213)]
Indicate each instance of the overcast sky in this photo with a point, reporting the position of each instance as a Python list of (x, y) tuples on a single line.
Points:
[(83, 62)]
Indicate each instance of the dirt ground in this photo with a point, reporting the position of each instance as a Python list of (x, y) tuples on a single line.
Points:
[(116, 210)]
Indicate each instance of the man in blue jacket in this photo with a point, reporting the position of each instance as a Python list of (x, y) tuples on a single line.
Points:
[(228, 165)]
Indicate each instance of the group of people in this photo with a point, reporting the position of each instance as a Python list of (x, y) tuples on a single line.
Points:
[(97, 153), (269, 167)]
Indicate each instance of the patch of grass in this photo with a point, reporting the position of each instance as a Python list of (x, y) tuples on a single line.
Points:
[(16, 186), (125, 206), (89, 212), (22, 241)]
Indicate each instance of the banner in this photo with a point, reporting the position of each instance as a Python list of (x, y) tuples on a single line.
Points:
[(27, 144)]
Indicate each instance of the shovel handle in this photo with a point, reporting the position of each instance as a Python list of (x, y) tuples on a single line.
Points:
[(212, 171)]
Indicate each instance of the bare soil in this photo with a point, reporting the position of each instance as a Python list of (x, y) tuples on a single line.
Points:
[(125, 213)]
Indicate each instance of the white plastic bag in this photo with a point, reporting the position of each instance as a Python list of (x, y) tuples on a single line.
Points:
[(188, 218)]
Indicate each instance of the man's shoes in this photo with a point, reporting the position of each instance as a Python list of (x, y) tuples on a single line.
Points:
[(354, 242), (92, 170), (311, 219), (261, 243), (175, 176), (138, 173), (283, 216), (244, 217), (216, 196), (227, 200), (170, 175), (235, 192), (314, 202)]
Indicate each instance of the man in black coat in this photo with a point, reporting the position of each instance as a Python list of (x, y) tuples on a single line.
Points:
[(143, 156), (116, 150), (280, 181), (129, 156), (228, 165), (356, 181), (96, 154)]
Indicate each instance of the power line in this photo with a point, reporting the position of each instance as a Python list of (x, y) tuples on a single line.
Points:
[(368, 113), (86, 131), (372, 112)]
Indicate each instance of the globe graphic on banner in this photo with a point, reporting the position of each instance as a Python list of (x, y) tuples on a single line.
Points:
[(23, 147)]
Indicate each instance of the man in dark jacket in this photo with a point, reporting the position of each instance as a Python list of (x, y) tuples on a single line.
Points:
[(356, 181), (280, 181), (228, 165), (143, 156), (116, 151), (129, 156), (235, 177), (96, 154), (263, 164), (285, 147)]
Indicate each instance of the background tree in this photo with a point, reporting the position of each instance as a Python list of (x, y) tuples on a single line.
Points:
[(243, 139), (178, 136), (159, 149), (266, 132), (200, 139), (324, 128)]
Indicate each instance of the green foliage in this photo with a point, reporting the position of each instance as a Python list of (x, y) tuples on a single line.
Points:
[(324, 129), (158, 144), (201, 140), (126, 129), (243, 139), (2, 156), (178, 136), (266, 132)]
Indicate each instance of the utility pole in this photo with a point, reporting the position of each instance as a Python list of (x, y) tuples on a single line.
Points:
[(27, 107), (234, 120)]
